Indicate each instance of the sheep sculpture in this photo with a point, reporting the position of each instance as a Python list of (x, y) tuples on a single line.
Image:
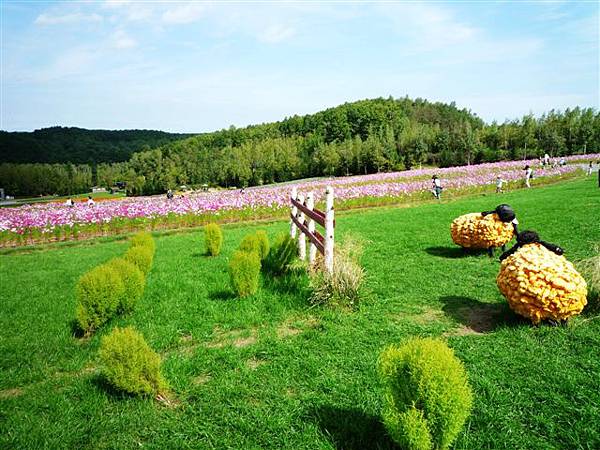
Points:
[(485, 230), (538, 281)]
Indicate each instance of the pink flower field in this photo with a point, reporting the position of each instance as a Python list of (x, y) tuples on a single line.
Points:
[(46, 217)]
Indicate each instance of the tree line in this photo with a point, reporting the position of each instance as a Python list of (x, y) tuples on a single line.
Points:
[(78, 145), (355, 138)]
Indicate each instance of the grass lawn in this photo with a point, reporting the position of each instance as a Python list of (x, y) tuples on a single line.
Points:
[(270, 372)]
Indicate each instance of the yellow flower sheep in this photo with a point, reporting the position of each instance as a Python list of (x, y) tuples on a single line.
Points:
[(484, 230), (538, 282)]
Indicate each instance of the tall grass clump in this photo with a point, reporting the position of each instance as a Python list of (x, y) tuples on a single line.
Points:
[(281, 255), (129, 364), (141, 257), (244, 272), (213, 239), (344, 284), (133, 282), (427, 397), (98, 293), (143, 239)]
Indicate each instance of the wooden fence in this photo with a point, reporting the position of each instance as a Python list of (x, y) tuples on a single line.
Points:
[(304, 217)]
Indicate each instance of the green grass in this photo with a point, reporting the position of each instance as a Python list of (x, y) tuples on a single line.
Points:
[(267, 371)]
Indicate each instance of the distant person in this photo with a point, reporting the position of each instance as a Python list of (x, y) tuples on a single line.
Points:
[(499, 183), (562, 162), (70, 203), (546, 159), (436, 185), (528, 175), (90, 201), (170, 194), (589, 169)]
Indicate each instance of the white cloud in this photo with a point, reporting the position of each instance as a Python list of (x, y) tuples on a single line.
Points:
[(429, 26), (116, 3), (47, 19), (276, 33), (121, 40), (184, 13), (75, 62)]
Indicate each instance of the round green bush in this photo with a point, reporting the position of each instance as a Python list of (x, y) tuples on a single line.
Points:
[(133, 281), (250, 244), (129, 364), (281, 255), (143, 239), (263, 244), (98, 293), (244, 271), (427, 395), (213, 239), (141, 257)]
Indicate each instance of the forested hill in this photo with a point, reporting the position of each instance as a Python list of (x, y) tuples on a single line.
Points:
[(78, 145), (354, 138), (361, 118)]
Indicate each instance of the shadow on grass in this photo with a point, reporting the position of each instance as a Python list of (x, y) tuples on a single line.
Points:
[(76, 331), (100, 382), (479, 317), (351, 428), (454, 252), (222, 295), (204, 254), (294, 281), (593, 304)]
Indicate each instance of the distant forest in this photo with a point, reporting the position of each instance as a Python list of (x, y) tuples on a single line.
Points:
[(354, 138), (78, 145)]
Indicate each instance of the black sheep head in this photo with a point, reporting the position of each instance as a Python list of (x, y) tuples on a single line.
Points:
[(505, 213), (527, 237)]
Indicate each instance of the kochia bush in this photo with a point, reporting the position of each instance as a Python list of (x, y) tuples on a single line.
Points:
[(98, 293), (129, 364), (263, 244), (143, 239), (250, 244), (213, 239), (244, 271), (141, 257), (133, 282), (427, 396)]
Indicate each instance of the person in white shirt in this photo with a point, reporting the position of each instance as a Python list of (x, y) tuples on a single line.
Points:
[(589, 169), (70, 202), (546, 159), (528, 174), (437, 187), (499, 183), (90, 201)]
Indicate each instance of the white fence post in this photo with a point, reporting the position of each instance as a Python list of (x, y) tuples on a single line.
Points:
[(302, 236), (312, 248), (293, 227), (329, 225)]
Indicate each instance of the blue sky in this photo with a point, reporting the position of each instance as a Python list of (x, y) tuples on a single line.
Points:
[(201, 66)]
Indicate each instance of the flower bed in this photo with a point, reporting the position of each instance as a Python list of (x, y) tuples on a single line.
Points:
[(56, 221)]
